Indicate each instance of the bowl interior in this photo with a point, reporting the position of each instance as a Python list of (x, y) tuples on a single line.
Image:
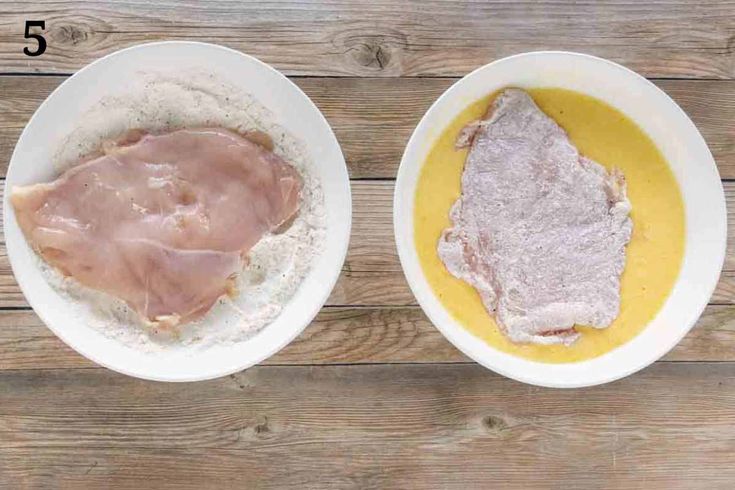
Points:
[(681, 144), (292, 109)]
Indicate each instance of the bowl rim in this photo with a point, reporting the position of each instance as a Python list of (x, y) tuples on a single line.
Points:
[(486, 355), (336, 261)]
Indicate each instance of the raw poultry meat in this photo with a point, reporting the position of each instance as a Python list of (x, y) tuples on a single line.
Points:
[(539, 230), (164, 221)]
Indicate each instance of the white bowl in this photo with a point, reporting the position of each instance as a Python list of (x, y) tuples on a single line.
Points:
[(689, 158), (292, 109)]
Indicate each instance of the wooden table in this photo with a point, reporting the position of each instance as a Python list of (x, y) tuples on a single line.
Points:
[(371, 396)]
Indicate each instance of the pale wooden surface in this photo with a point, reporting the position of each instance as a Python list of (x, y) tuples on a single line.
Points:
[(660, 38), (378, 426), (371, 395)]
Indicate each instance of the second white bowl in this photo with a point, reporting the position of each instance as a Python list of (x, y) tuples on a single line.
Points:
[(679, 141)]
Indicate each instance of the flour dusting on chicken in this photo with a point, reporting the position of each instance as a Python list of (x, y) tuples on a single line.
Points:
[(539, 230)]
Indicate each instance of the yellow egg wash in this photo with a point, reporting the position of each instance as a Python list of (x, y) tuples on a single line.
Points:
[(655, 251)]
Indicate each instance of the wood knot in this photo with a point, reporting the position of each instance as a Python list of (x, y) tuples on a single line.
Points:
[(376, 52), (494, 423), (262, 428), (83, 30), (237, 382), (372, 55), (70, 34)]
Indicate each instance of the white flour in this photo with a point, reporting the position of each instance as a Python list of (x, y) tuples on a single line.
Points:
[(278, 263)]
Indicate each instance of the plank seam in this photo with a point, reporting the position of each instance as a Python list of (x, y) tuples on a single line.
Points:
[(344, 364), (357, 77)]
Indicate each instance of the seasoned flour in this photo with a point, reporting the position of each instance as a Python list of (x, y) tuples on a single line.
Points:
[(277, 264)]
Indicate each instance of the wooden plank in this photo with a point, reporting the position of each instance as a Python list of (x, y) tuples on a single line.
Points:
[(347, 336), (337, 336), (372, 273), (389, 37), (367, 427), (373, 118)]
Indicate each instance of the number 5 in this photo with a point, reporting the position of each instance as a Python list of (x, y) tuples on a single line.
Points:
[(39, 38)]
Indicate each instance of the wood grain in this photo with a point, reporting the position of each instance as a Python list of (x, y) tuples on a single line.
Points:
[(346, 336), (367, 427), (371, 396), (372, 274), (675, 38), (373, 118)]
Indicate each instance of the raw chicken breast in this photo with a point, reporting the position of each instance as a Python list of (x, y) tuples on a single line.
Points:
[(162, 222), (539, 230)]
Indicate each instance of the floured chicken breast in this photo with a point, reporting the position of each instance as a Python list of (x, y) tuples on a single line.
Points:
[(539, 230), (162, 222)]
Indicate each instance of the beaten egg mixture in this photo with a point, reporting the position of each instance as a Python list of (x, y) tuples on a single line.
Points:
[(655, 251)]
